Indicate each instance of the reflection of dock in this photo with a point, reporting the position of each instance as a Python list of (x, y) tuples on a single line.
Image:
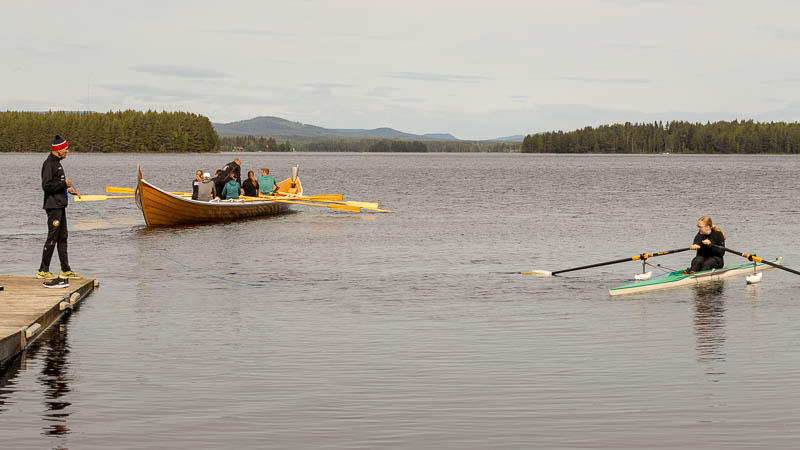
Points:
[(27, 309)]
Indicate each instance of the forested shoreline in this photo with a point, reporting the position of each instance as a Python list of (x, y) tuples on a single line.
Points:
[(263, 143), (121, 131), (671, 137), (183, 132)]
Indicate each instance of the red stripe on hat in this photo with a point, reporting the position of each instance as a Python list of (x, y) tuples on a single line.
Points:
[(60, 146)]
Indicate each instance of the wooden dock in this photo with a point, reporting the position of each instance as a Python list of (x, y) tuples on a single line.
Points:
[(27, 309)]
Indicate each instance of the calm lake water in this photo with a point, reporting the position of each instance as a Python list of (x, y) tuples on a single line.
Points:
[(405, 330)]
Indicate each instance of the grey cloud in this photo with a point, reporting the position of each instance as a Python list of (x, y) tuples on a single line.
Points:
[(329, 85), (249, 32), (358, 36), (80, 47), (782, 33), (609, 80), (417, 76), (27, 50), (408, 100), (626, 46), (326, 88), (382, 92), (180, 71), (147, 93), (150, 94)]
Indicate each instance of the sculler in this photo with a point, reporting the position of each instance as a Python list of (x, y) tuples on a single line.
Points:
[(710, 245)]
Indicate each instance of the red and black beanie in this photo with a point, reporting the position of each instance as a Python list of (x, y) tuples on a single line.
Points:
[(59, 143)]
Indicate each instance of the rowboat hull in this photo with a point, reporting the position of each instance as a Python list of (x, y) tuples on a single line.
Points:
[(678, 279), (160, 208)]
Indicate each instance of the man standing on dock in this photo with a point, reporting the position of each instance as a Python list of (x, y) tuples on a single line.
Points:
[(56, 186)]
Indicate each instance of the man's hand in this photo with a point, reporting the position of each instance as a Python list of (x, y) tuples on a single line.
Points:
[(74, 192), (69, 183)]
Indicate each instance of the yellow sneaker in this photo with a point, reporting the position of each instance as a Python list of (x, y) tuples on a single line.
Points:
[(69, 274), (46, 275)]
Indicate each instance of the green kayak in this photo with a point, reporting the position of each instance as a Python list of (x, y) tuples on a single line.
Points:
[(678, 278)]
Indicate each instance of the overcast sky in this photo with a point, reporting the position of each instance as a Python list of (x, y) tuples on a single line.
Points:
[(476, 69)]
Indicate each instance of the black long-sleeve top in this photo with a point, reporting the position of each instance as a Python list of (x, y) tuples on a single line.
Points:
[(716, 238), (250, 188), (54, 183)]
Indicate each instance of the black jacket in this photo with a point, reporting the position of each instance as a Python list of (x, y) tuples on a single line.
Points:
[(706, 251), (229, 169), (54, 183)]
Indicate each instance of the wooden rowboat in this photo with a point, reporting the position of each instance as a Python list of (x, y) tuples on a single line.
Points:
[(678, 278), (160, 208)]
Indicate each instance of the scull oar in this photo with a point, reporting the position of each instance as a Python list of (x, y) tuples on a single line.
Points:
[(639, 257), (755, 258)]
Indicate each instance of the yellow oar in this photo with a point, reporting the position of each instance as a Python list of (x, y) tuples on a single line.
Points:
[(327, 199), (97, 198), (336, 207), (321, 197), (120, 190), (124, 190), (370, 206)]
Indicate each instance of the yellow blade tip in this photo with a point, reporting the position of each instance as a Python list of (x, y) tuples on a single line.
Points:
[(538, 273)]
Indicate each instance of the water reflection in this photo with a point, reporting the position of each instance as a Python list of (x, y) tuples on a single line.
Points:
[(709, 322), (55, 380), (53, 377)]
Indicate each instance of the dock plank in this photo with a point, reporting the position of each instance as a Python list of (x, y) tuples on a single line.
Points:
[(27, 309)]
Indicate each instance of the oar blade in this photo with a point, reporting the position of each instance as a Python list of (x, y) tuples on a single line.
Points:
[(120, 190), (538, 273)]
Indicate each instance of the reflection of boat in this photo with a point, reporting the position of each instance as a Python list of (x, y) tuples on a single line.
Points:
[(160, 208), (677, 278)]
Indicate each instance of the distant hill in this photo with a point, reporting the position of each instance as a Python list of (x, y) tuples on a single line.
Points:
[(282, 128), (269, 126), (514, 138)]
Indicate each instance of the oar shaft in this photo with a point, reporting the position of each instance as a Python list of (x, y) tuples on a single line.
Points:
[(607, 263), (755, 258), (641, 256)]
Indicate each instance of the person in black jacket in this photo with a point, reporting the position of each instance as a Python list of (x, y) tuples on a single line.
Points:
[(233, 167), (708, 241), (56, 186)]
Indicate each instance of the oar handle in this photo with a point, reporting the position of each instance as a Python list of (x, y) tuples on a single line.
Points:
[(755, 258)]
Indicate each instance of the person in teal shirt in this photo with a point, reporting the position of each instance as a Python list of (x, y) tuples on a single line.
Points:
[(266, 183), (232, 189)]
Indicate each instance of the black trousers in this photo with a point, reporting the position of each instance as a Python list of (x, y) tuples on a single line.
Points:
[(56, 238), (700, 263)]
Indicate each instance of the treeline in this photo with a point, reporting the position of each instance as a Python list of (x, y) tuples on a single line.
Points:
[(253, 144), (121, 131), (261, 143), (672, 137)]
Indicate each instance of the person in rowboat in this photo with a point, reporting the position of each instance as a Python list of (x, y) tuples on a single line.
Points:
[(708, 257), (250, 185), (198, 178), (266, 183), (206, 190), (232, 189)]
